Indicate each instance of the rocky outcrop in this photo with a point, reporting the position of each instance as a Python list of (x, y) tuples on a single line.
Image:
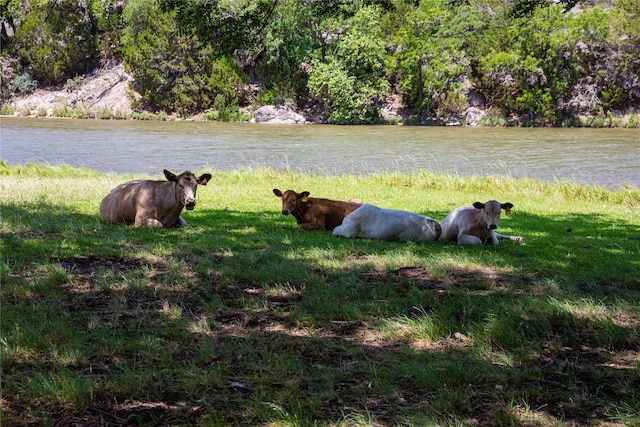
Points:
[(106, 92), (277, 114), (473, 116)]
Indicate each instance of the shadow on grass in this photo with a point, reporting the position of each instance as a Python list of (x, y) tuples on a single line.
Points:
[(240, 318)]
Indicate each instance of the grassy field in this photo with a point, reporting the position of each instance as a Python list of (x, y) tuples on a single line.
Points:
[(241, 319)]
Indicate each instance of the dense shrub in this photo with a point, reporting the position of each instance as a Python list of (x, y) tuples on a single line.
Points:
[(56, 40), (532, 60), (350, 82), (24, 83), (174, 71)]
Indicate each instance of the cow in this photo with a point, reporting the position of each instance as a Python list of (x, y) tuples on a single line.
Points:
[(372, 222), (476, 225), (313, 213), (153, 203)]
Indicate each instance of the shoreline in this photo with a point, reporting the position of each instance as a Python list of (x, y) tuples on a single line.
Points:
[(566, 185), (108, 95)]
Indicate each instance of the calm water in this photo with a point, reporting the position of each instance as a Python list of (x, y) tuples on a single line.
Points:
[(607, 157)]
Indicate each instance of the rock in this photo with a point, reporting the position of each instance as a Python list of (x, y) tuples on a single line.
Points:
[(460, 336), (277, 114), (476, 99), (453, 121), (108, 92), (473, 115)]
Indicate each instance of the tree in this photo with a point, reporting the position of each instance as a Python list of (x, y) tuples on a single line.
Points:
[(56, 40), (174, 71), (429, 59), (233, 28), (622, 77), (350, 82), (526, 8), (107, 19)]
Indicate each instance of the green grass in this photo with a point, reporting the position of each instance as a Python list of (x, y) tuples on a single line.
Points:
[(241, 319)]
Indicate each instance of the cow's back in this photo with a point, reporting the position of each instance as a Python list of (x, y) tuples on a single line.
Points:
[(406, 226), (336, 211), (120, 205), (372, 222)]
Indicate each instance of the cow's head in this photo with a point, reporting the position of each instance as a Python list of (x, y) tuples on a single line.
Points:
[(186, 186), (291, 201), (492, 212)]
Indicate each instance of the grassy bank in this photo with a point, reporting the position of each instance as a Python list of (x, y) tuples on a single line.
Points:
[(241, 319)]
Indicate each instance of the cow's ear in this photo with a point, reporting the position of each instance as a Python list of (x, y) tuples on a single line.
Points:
[(507, 207), (204, 178), (478, 205), (304, 196), (170, 175), (277, 192)]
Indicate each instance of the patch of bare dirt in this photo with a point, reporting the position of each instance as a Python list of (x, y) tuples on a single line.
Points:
[(86, 265)]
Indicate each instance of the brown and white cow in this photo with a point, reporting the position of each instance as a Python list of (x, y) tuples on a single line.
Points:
[(153, 203), (312, 213), (476, 225)]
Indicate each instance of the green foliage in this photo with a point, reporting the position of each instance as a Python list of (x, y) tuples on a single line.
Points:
[(107, 18), (173, 71), (75, 112), (56, 40), (549, 63), (9, 69), (531, 59), (6, 110), (429, 60), (350, 82), (75, 83), (228, 25), (24, 83), (621, 64)]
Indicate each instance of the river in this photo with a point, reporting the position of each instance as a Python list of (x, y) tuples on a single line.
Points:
[(604, 157)]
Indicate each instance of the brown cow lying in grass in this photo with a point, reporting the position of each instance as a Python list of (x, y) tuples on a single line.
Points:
[(312, 213), (476, 225), (152, 203)]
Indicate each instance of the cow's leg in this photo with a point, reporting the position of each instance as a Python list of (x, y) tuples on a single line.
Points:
[(181, 222), (344, 230), (493, 239), (152, 222), (516, 239), (468, 239), (143, 221)]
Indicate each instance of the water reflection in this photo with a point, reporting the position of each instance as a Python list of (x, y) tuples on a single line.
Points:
[(607, 157)]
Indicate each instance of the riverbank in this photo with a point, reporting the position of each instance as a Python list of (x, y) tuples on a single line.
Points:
[(109, 94), (240, 316)]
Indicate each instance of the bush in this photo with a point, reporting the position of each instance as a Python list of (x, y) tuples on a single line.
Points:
[(24, 84), (6, 110), (75, 83), (174, 71), (350, 83), (56, 39)]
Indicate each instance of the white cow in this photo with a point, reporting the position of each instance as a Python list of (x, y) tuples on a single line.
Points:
[(372, 222), (476, 225)]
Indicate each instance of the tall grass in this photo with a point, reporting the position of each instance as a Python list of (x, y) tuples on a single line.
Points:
[(241, 319)]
